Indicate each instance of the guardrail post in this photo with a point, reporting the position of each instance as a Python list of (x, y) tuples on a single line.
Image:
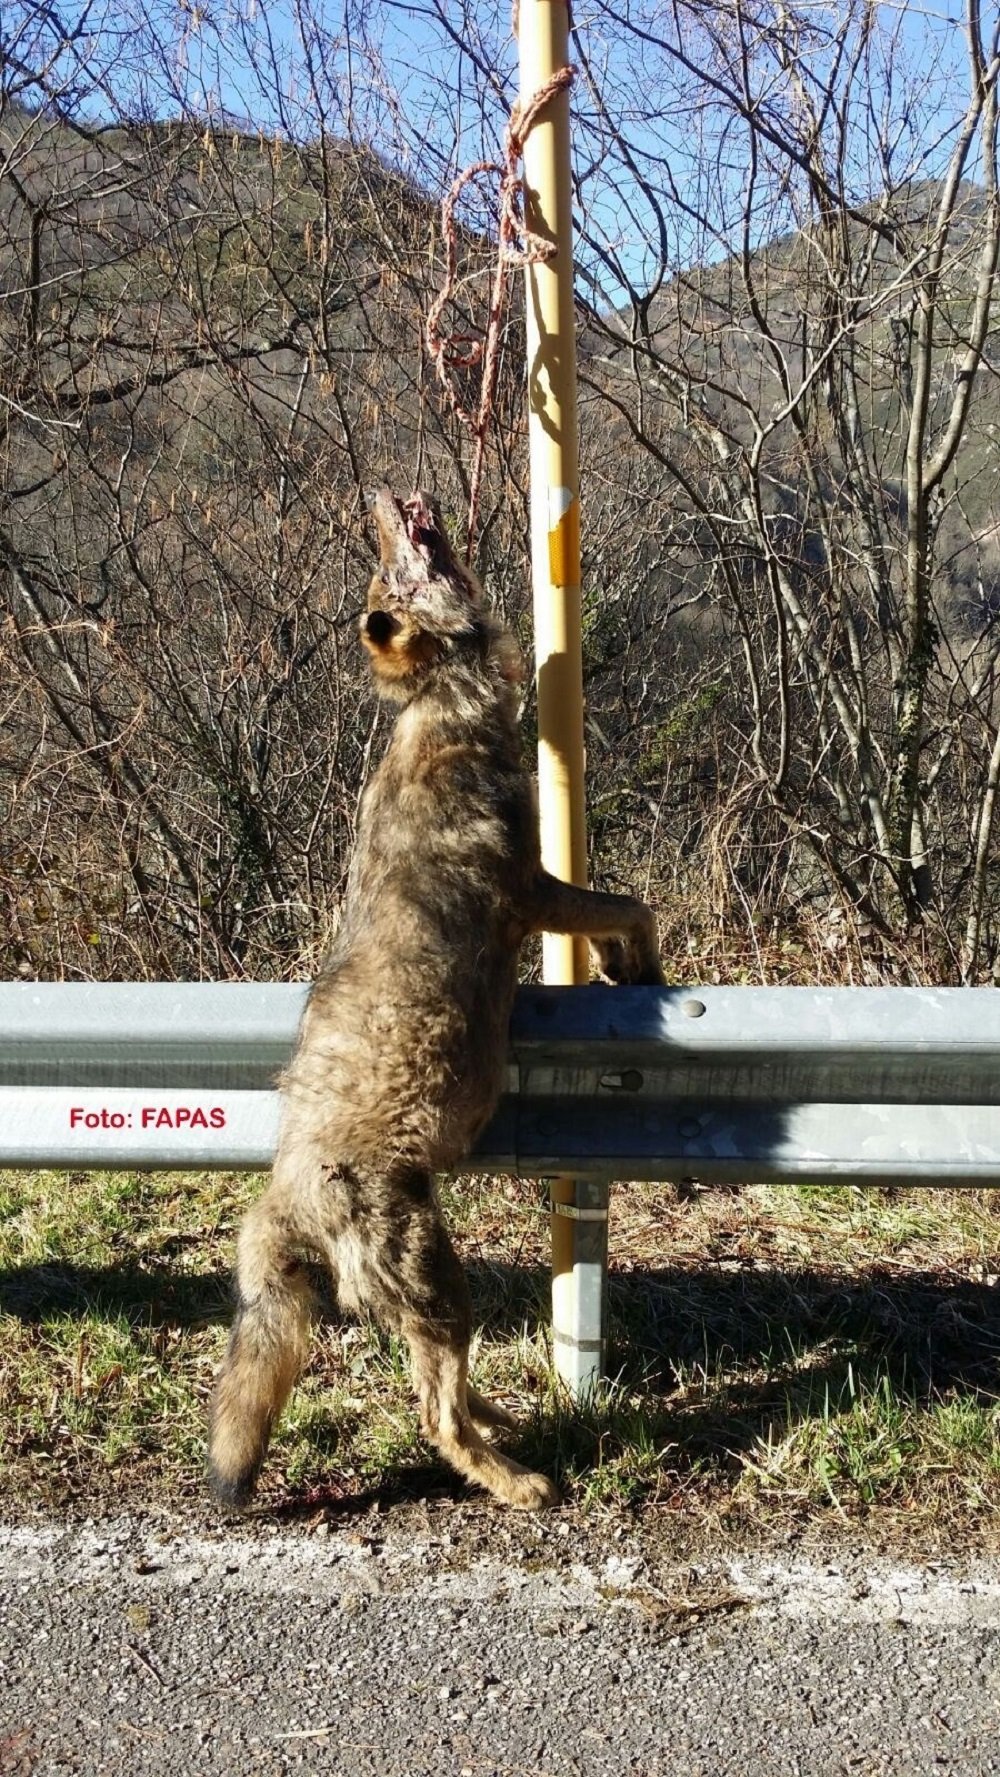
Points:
[(579, 1296)]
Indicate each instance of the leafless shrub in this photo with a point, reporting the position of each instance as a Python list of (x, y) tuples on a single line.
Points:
[(211, 339)]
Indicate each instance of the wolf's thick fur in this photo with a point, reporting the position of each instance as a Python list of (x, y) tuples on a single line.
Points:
[(401, 1053)]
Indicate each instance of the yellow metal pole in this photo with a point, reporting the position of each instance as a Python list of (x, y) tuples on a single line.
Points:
[(554, 467), (543, 45)]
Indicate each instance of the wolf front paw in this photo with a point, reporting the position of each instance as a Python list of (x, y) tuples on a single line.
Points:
[(625, 964)]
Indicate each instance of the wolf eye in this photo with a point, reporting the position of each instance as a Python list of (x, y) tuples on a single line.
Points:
[(384, 578)]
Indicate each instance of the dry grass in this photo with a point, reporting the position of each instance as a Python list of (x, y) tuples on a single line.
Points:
[(777, 1354)]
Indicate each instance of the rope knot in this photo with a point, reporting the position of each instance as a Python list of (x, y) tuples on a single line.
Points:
[(517, 246)]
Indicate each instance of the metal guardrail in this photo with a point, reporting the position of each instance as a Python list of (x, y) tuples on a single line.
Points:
[(726, 1085)]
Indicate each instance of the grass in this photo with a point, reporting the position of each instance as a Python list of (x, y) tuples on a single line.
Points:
[(777, 1354)]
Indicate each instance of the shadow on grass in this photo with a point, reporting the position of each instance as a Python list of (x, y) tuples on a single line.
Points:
[(153, 1296), (412, 1482), (709, 1362), (928, 1331)]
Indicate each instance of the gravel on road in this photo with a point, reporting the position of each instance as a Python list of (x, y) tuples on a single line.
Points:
[(134, 1646)]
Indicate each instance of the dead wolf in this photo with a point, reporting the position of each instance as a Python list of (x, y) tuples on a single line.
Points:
[(401, 1052)]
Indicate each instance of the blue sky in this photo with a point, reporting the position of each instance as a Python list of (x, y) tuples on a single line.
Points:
[(429, 86)]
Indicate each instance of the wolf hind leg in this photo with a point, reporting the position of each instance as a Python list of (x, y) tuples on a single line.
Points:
[(415, 1280), (440, 1375), (489, 1416), (267, 1348)]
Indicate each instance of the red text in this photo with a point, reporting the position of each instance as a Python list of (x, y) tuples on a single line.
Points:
[(182, 1116)]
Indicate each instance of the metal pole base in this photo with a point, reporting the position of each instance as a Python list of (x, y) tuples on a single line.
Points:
[(579, 1282)]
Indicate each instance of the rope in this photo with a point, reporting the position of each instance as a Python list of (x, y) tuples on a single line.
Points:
[(517, 247)]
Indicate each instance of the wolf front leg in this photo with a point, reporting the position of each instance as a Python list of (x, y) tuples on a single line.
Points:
[(621, 930)]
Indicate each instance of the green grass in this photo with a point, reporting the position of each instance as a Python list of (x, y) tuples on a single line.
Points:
[(777, 1355)]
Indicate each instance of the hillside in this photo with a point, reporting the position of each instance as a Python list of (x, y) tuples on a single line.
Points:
[(210, 343), (208, 348)]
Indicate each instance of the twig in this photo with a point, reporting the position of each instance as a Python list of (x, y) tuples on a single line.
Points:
[(137, 1654), (307, 1733)]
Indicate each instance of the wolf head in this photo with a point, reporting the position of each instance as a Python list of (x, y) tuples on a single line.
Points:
[(425, 608)]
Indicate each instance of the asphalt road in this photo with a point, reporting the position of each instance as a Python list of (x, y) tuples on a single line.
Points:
[(131, 1647)]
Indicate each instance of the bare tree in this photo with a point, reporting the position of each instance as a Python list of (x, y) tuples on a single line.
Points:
[(813, 386), (217, 251), (210, 343)]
